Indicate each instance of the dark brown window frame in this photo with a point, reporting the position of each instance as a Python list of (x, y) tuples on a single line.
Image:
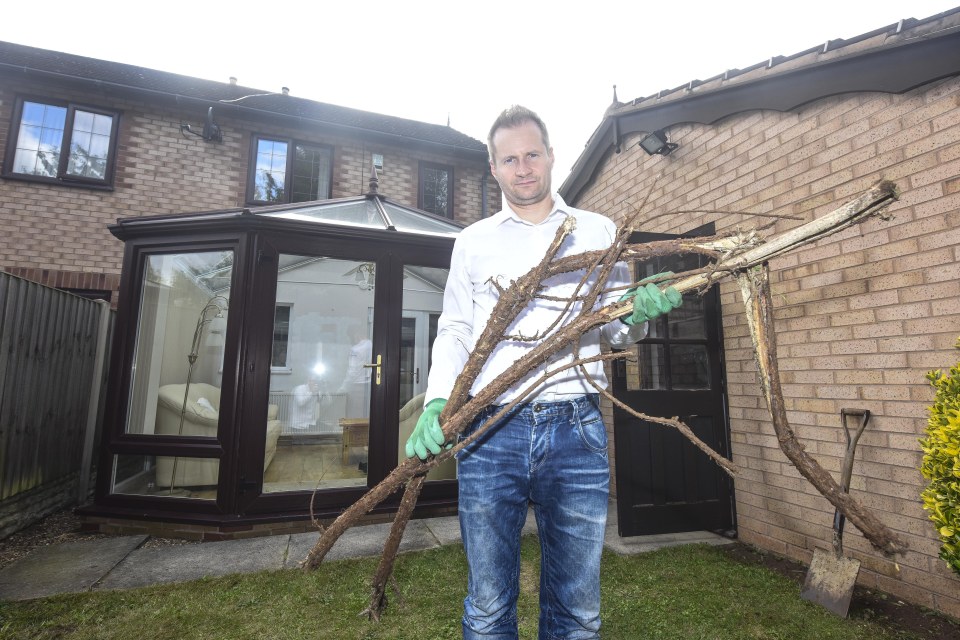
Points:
[(420, 201), (291, 145), (62, 178)]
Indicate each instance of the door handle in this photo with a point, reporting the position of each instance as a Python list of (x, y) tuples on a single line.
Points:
[(376, 366), (416, 375)]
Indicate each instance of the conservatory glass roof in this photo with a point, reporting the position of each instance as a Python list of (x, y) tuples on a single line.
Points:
[(372, 211)]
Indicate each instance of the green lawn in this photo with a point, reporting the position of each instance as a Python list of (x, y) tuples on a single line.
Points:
[(688, 593)]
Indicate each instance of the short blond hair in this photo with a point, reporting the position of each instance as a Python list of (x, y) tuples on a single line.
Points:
[(514, 117)]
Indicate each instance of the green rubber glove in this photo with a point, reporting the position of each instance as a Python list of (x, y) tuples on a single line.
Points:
[(649, 302), (427, 435)]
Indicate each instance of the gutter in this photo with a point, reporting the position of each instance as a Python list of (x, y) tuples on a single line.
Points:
[(237, 109), (890, 69)]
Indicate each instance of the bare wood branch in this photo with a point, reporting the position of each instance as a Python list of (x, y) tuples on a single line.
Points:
[(871, 203), (460, 411), (756, 298), (378, 600), (727, 465)]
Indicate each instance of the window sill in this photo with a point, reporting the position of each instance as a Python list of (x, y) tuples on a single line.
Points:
[(57, 182)]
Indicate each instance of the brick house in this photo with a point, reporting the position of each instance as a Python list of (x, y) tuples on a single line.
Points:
[(861, 316), (308, 238), (152, 151)]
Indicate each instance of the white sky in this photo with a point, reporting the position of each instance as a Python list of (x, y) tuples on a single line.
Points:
[(429, 60)]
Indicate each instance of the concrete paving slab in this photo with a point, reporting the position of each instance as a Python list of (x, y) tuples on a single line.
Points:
[(362, 541), (642, 544), (446, 530), (64, 568), (181, 563)]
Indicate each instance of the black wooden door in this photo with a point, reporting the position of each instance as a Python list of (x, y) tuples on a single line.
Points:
[(664, 483)]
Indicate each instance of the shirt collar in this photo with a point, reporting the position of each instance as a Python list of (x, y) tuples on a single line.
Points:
[(559, 208)]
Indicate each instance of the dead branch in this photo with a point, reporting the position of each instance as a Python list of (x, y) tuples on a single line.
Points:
[(759, 307), (378, 598), (727, 465), (733, 253)]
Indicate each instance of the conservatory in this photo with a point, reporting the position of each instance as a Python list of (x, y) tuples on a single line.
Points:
[(269, 363)]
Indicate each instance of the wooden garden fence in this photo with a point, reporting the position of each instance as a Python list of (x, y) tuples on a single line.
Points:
[(54, 350)]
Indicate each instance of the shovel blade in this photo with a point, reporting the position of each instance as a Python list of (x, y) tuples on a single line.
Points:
[(830, 581)]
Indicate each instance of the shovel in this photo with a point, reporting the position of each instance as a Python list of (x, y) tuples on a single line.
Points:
[(831, 577)]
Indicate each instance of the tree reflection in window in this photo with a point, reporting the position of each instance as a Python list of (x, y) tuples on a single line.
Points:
[(48, 131), (436, 189)]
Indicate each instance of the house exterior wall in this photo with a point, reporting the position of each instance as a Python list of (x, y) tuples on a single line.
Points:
[(861, 316), (58, 235)]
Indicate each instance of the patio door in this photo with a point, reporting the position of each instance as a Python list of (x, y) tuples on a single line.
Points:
[(349, 332), (322, 371), (417, 330), (664, 483), (422, 302)]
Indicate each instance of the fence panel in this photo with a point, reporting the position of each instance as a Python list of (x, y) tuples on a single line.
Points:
[(48, 349)]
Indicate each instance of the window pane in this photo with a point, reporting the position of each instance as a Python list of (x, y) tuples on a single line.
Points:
[(89, 148), (435, 184), (270, 178), (688, 320), (180, 477), (318, 416), (176, 373), (689, 366), (33, 113), (311, 173), (39, 139), (31, 162), (652, 370)]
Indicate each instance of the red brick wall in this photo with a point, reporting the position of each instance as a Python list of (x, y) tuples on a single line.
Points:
[(861, 316), (55, 232)]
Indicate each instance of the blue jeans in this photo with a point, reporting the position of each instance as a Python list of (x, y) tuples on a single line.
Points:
[(553, 455)]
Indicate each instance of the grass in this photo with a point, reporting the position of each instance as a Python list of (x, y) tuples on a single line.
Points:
[(688, 593)]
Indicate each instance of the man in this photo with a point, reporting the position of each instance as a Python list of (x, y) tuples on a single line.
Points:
[(550, 452)]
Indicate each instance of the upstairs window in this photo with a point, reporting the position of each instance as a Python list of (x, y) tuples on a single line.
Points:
[(62, 142), (436, 189), (288, 171)]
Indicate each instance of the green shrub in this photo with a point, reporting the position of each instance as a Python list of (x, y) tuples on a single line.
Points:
[(941, 463)]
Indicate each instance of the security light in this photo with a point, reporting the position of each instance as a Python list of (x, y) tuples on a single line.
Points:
[(656, 142)]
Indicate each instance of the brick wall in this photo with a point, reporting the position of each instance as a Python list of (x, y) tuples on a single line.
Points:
[(56, 233), (861, 316)]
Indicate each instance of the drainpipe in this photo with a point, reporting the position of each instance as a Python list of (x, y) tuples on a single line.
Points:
[(483, 195)]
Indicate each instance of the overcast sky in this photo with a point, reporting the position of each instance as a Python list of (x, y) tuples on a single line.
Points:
[(433, 60)]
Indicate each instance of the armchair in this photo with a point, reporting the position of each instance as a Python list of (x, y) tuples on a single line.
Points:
[(200, 419)]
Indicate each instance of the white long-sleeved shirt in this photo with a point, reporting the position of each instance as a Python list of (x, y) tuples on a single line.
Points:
[(503, 248)]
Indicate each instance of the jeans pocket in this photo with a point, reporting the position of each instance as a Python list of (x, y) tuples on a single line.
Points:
[(592, 431)]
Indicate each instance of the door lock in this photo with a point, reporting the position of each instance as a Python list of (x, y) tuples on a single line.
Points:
[(376, 366)]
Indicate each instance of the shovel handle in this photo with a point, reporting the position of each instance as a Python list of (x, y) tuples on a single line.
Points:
[(838, 521), (846, 471)]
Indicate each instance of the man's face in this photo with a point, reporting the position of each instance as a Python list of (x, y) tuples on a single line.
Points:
[(522, 164)]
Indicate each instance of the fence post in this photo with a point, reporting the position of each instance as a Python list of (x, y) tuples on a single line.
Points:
[(83, 485)]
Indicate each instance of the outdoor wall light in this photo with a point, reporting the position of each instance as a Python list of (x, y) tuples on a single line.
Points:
[(656, 142)]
